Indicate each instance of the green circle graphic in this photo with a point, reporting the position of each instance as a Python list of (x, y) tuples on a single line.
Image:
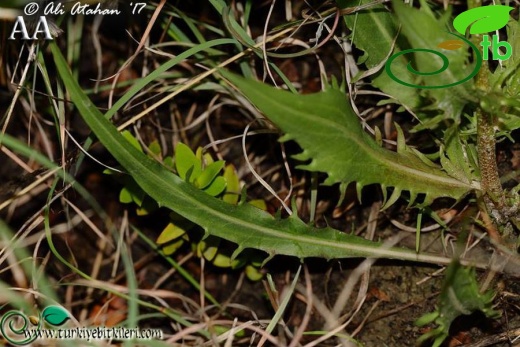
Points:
[(445, 65), (9, 320)]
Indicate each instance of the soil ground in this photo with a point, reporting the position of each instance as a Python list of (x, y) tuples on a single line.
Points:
[(382, 307)]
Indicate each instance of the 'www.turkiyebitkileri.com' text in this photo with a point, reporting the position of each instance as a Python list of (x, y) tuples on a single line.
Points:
[(99, 333)]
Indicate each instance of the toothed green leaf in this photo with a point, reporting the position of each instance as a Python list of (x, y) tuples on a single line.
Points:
[(243, 224), (423, 30), (458, 164), (373, 31), (333, 142)]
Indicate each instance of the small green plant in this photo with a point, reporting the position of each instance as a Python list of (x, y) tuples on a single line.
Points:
[(481, 110), (460, 295), (203, 172), (251, 228), (333, 142), (338, 146), (467, 119)]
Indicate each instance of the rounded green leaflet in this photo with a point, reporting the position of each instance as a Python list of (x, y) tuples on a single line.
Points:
[(55, 315), (187, 164), (482, 20), (170, 233), (208, 175)]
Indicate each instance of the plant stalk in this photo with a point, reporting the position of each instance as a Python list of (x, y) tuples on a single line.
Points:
[(493, 193), (486, 147)]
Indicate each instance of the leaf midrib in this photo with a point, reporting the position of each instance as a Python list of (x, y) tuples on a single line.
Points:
[(153, 178), (369, 150)]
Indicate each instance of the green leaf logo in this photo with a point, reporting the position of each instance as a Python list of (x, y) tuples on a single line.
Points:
[(55, 315), (482, 19)]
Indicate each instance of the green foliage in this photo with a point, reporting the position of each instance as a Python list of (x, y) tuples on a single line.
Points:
[(462, 162), (201, 171), (333, 142), (338, 146), (507, 77), (232, 185), (373, 31), (422, 30), (171, 238), (191, 168), (242, 224), (459, 296), (419, 29)]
